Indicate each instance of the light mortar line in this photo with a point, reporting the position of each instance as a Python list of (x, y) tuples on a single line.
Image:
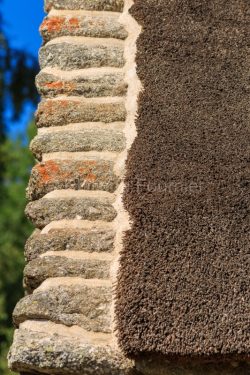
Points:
[(61, 330), (115, 126), (78, 225), (77, 155), (82, 100), (70, 193), (71, 281), (122, 221), (87, 41), (81, 255), (77, 73), (82, 12)]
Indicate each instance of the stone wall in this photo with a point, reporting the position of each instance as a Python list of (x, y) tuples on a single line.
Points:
[(65, 323), (156, 253)]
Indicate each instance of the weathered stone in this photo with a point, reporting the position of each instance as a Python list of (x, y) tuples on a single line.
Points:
[(71, 174), (89, 240), (86, 306), (58, 112), (111, 5), (86, 140), (99, 25), (46, 210), (79, 54), (89, 84), (46, 267), (57, 353)]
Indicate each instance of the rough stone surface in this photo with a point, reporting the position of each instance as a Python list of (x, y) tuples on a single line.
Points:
[(84, 306), (98, 84), (82, 55), (60, 355), (89, 25), (88, 240), (184, 286), (82, 141), (70, 293), (77, 175), (65, 111), (46, 210), (47, 267), (109, 5)]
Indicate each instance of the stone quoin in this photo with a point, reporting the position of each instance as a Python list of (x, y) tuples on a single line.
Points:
[(139, 261)]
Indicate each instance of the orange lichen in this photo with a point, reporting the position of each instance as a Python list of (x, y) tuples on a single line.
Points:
[(53, 24), (69, 86), (47, 171), (88, 170), (51, 171), (57, 85), (58, 24), (64, 103), (91, 177), (48, 107), (88, 165), (73, 23)]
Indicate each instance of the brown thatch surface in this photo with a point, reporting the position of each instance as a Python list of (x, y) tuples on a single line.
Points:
[(184, 277)]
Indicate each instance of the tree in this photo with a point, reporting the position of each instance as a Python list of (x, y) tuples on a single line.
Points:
[(14, 229), (17, 75)]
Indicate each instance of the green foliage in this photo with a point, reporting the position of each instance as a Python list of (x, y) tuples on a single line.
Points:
[(4, 348), (14, 230), (17, 73)]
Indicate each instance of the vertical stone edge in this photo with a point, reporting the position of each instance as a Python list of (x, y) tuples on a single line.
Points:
[(29, 352), (122, 221)]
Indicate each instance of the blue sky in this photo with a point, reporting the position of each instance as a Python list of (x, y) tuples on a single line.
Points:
[(22, 20), (21, 23)]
